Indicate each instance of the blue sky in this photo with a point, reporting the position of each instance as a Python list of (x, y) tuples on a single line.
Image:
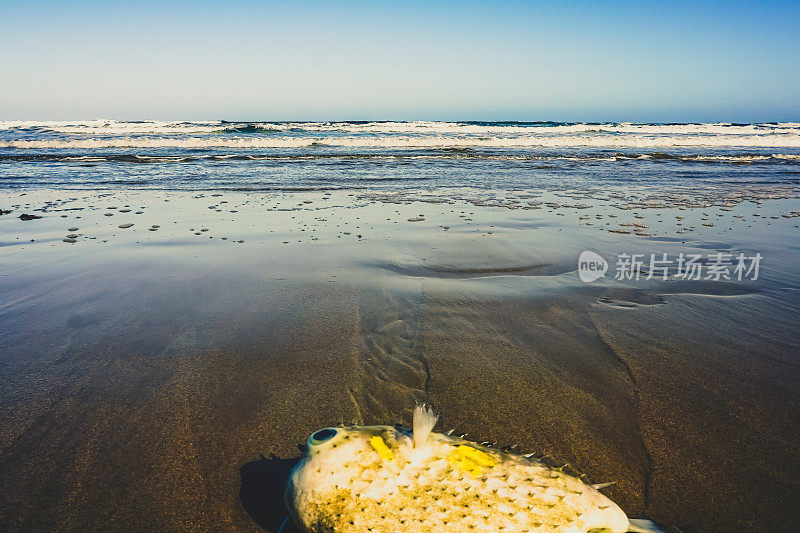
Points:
[(643, 61)]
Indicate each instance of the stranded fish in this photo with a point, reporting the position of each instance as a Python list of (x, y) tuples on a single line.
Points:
[(383, 478)]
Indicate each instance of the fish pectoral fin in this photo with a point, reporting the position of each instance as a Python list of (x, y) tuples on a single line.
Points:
[(598, 486), (642, 525)]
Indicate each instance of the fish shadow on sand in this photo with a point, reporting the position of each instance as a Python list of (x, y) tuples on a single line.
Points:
[(261, 493)]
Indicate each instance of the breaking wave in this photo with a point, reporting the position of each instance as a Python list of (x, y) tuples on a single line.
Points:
[(113, 127), (618, 141), (421, 156), (387, 155)]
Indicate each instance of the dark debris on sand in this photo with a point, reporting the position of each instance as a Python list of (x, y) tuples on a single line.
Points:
[(26, 216)]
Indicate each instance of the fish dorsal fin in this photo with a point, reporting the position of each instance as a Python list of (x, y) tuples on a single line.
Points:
[(424, 420)]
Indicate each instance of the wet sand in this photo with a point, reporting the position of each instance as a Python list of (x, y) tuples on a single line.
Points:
[(160, 375)]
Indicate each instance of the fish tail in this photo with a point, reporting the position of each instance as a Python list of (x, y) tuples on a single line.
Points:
[(641, 525)]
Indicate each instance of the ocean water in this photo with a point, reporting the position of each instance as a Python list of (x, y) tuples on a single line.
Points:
[(219, 155)]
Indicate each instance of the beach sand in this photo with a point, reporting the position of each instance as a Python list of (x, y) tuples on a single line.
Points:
[(162, 378)]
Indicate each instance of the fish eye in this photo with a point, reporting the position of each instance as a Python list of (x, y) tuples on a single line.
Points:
[(321, 436)]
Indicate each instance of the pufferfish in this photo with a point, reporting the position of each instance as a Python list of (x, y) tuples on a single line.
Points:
[(387, 479)]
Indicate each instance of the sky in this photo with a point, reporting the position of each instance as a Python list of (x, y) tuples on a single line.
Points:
[(566, 61)]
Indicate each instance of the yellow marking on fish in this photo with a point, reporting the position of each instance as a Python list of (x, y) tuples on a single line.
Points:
[(380, 447), (471, 460), (482, 458)]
